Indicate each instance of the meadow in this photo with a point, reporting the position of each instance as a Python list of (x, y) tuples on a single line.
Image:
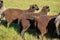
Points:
[(12, 33)]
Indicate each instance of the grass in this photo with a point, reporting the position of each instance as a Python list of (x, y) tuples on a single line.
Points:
[(12, 33), (24, 4)]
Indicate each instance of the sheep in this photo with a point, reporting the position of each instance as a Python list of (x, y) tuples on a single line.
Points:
[(57, 22), (24, 18), (43, 21), (2, 8), (12, 14)]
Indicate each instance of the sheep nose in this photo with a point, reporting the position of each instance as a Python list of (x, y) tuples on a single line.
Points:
[(37, 9)]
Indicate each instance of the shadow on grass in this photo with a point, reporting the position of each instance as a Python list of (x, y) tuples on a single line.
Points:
[(14, 25), (18, 28), (32, 31), (51, 29), (4, 23)]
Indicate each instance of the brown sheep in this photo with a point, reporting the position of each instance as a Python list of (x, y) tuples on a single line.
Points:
[(25, 22), (43, 21), (23, 16), (13, 14)]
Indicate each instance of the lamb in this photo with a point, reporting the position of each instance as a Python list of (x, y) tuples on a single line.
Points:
[(12, 14), (24, 18)]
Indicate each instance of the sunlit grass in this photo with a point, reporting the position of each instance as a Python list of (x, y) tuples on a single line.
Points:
[(24, 4)]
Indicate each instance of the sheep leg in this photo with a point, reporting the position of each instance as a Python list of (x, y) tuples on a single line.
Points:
[(25, 24), (58, 37), (8, 24), (37, 33), (18, 21), (42, 36), (22, 33)]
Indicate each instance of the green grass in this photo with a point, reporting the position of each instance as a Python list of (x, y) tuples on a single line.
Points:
[(12, 32), (24, 4)]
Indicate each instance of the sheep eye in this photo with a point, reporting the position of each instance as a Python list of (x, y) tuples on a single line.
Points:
[(33, 7), (47, 7)]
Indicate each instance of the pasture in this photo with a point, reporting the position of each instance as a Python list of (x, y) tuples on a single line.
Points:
[(12, 33)]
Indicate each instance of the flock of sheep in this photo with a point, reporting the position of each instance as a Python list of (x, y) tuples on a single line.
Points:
[(41, 18)]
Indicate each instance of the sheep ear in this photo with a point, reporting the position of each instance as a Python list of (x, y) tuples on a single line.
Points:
[(35, 4)]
